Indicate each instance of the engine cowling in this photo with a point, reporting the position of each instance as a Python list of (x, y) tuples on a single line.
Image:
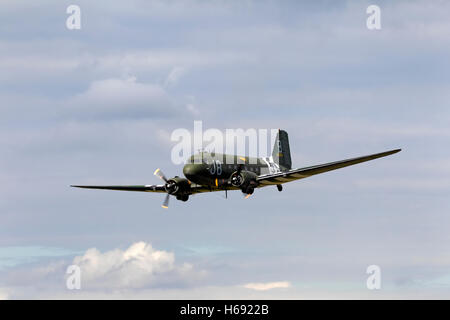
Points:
[(177, 186), (245, 180)]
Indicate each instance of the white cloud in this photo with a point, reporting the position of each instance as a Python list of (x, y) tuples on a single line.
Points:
[(133, 271), (139, 266), (264, 286), (3, 294)]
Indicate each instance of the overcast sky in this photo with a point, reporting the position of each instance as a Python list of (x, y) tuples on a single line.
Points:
[(98, 106)]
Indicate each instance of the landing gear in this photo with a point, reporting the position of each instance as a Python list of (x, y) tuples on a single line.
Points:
[(279, 187), (184, 197), (248, 190)]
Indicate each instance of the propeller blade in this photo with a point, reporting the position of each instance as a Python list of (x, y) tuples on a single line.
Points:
[(248, 195), (165, 204), (160, 175)]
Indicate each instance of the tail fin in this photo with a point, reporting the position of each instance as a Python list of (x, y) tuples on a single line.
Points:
[(281, 153)]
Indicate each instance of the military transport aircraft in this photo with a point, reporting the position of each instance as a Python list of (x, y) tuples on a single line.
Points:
[(209, 171)]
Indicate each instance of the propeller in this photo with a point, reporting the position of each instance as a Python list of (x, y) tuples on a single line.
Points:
[(168, 186), (165, 204), (160, 175)]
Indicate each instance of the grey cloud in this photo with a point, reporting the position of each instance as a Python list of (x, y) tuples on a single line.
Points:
[(122, 98)]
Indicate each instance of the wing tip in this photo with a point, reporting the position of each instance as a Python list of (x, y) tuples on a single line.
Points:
[(78, 186), (387, 153)]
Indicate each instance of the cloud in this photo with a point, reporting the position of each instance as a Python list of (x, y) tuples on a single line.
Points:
[(117, 97), (3, 294), (27, 62), (11, 256), (175, 74), (264, 286), (139, 266)]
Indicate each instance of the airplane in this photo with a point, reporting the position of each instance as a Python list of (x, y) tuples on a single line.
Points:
[(210, 171)]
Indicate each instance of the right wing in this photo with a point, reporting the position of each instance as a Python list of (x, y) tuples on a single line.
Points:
[(301, 173)]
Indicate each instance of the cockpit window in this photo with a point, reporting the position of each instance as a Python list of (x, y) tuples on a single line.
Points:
[(190, 160), (198, 158)]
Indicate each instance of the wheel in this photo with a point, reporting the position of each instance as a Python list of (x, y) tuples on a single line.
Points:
[(279, 187), (249, 190), (184, 197)]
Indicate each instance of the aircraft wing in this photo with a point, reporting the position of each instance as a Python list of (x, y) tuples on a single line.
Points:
[(143, 188), (196, 188), (301, 173)]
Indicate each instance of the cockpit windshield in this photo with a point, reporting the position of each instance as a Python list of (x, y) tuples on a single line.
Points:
[(199, 158), (190, 160)]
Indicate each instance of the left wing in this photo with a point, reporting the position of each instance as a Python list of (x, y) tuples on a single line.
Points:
[(145, 188), (195, 188), (300, 173)]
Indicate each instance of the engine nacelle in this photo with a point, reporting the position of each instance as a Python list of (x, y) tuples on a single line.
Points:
[(177, 186), (245, 180)]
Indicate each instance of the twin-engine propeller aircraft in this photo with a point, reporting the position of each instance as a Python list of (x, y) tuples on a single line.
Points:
[(208, 172)]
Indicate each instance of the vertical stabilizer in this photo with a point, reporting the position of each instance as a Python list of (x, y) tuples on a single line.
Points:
[(281, 152)]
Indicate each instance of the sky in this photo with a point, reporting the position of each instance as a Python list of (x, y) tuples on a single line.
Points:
[(98, 105)]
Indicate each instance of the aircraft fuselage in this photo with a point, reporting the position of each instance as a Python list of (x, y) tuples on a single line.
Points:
[(216, 169)]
